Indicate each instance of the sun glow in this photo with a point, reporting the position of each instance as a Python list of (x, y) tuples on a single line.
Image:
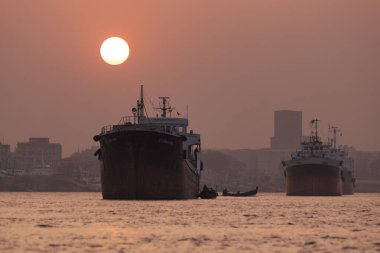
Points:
[(114, 50)]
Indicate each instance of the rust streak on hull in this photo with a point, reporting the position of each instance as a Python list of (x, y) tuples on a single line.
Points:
[(313, 180)]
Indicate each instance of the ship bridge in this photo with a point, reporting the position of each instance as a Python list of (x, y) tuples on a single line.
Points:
[(178, 125), (163, 122)]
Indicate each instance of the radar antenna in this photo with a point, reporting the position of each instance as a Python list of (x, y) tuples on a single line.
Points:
[(165, 106)]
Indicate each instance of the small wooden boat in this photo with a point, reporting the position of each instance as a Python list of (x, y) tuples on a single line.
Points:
[(240, 194), (208, 193)]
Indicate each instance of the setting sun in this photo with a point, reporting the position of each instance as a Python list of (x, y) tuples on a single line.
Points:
[(114, 50)]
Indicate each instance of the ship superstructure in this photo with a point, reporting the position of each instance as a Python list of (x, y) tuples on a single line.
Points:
[(150, 157), (315, 169), (347, 167)]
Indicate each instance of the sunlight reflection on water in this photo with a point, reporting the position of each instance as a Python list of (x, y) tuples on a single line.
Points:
[(78, 222)]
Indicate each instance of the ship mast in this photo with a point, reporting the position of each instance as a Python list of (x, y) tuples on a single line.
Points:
[(328, 136), (316, 128), (314, 122), (335, 131), (140, 105), (164, 106)]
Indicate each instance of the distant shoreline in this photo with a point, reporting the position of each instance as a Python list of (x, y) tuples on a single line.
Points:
[(37, 183)]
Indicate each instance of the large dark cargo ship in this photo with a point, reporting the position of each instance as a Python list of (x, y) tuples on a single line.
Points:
[(149, 157), (315, 170)]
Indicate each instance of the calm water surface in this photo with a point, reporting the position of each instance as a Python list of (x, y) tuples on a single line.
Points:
[(83, 222)]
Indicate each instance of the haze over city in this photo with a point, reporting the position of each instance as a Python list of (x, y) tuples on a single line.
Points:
[(233, 63)]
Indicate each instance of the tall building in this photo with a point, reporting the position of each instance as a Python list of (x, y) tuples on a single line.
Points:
[(37, 157), (5, 156), (287, 130)]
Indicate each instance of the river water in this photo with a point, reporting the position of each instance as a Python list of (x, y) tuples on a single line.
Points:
[(83, 222)]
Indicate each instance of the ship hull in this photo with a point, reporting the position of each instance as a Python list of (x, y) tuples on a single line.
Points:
[(347, 183), (138, 164), (313, 180)]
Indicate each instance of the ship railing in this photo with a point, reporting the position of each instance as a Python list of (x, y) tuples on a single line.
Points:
[(128, 120), (106, 129), (314, 155)]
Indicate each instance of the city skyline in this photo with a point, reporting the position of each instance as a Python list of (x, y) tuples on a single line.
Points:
[(232, 64), (287, 135)]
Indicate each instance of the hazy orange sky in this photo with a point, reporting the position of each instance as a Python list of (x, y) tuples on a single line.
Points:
[(232, 62)]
